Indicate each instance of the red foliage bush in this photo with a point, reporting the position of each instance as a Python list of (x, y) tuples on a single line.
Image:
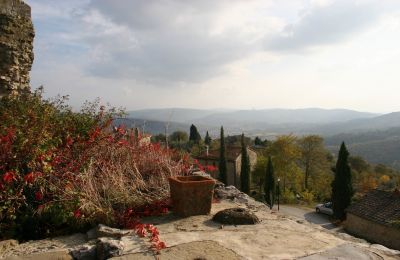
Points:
[(61, 170)]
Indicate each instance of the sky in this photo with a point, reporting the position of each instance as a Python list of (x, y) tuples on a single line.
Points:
[(237, 54)]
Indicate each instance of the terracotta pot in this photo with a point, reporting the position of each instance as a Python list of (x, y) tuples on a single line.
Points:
[(191, 195)]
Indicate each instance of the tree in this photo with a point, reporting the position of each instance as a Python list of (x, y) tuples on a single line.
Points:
[(313, 156), (269, 184), (194, 135), (286, 154), (258, 141), (245, 169), (207, 139), (258, 174), (342, 189), (236, 140), (223, 175), (179, 136), (155, 138), (359, 164)]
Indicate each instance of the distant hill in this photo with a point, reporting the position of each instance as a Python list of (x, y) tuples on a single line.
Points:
[(285, 116), (372, 136), (375, 146), (360, 125), (179, 115), (267, 122), (151, 126)]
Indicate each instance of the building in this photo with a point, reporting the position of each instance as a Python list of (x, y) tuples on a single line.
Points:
[(376, 217), (233, 162)]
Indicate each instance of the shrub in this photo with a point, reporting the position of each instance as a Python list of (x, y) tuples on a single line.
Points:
[(308, 197), (288, 197), (62, 170)]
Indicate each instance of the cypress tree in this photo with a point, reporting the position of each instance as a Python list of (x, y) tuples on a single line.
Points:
[(194, 135), (223, 175), (207, 139), (245, 169), (257, 141), (342, 189), (269, 184)]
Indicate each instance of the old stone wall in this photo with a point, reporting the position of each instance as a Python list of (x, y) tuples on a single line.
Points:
[(16, 46), (385, 235)]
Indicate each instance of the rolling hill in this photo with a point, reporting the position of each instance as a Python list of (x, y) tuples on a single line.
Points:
[(372, 136)]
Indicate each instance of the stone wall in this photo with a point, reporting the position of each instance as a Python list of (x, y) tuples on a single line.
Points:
[(381, 234), (16, 46)]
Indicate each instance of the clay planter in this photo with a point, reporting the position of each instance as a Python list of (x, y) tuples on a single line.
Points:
[(191, 195)]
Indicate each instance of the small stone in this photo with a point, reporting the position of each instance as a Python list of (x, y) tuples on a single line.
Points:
[(236, 216), (104, 231), (108, 247), (85, 252), (92, 234)]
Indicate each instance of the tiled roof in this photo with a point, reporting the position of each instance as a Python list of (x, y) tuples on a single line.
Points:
[(378, 206)]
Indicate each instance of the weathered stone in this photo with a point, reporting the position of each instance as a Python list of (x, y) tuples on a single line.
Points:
[(108, 247), (85, 252), (236, 216), (92, 234), (54, 255), (193, 250), (16, 47), (231, 193), (104, 231), (7, 244)]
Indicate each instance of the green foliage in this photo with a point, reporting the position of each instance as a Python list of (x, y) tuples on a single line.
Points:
[(358, 164), (236, 140), (342, 189), (222, 167), (160, 138), (258, 174), (245, 169), (269, 184), (207, 139), (194, 135), (259, 142), (179, 137), (313, 157), (308, 197), (286, 154), (288, 197)]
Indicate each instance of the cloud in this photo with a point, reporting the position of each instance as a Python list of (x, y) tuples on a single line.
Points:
[(325, 23), (163, 41)]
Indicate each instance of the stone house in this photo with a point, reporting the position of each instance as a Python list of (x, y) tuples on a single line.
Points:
[(376, 217), (233, 162)]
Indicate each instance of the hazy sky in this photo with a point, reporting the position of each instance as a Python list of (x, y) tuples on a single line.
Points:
[(220, 53)]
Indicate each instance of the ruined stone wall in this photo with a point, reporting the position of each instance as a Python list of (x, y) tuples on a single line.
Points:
[(16, 46)]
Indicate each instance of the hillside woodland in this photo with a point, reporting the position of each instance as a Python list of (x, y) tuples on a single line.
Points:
[(304, 164)]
